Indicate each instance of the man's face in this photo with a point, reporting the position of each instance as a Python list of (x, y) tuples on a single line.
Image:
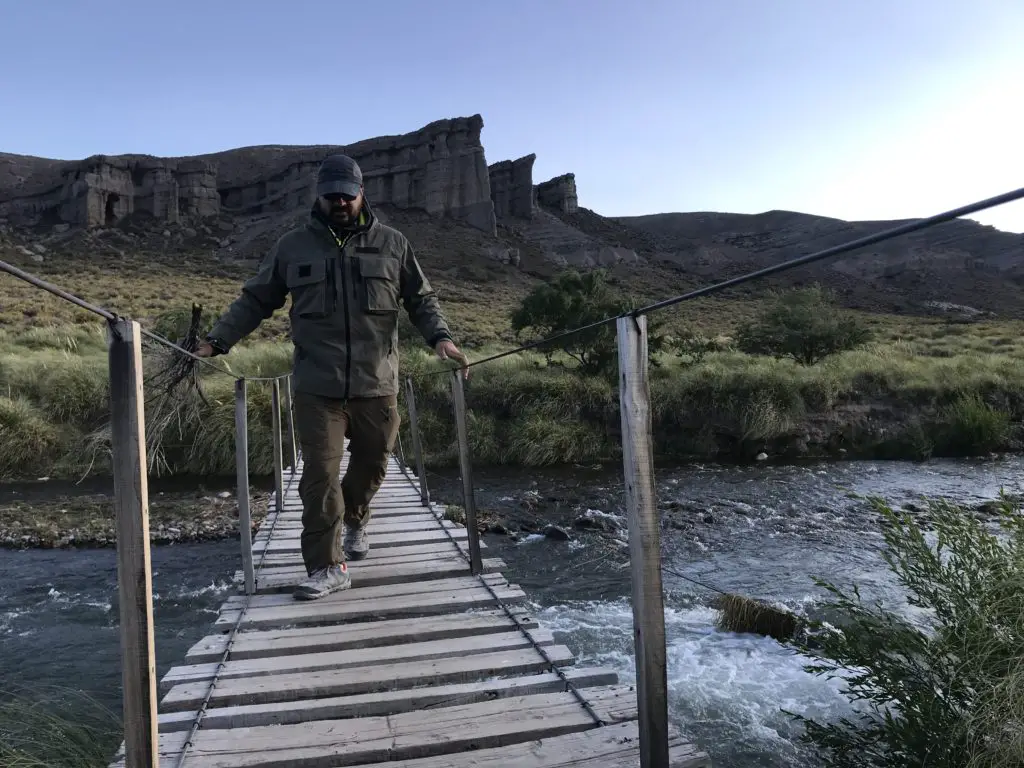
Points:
[(341, 210)]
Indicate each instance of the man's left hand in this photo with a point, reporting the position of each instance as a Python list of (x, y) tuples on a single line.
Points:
[(446, 350)]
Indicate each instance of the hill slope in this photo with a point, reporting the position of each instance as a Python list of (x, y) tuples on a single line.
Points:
[(480, 229)]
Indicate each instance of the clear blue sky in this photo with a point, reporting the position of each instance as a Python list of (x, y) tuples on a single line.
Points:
[(854, 109)]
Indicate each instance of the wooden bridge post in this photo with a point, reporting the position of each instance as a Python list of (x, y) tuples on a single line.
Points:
[(291, 423), (242, 473), (466, 470), (275, 407), (134, 569), (644, 541), (417, 446)]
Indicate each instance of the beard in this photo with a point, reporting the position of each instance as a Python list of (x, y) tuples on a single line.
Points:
[(341, 216)]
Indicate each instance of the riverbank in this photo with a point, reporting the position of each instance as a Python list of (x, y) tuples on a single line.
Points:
[(87, 521), (583, 504), (945, 392)]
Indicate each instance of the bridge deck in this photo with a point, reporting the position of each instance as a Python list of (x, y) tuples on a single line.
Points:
[(419, 665)]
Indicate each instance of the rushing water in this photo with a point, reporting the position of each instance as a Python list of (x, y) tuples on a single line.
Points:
[(762, 531)]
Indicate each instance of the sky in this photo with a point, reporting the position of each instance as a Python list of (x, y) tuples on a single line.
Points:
[(876, 109)]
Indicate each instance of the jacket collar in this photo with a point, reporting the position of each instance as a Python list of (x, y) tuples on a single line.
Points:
[(367, 221)]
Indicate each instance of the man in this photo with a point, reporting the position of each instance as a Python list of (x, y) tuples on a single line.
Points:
[(347, 273)]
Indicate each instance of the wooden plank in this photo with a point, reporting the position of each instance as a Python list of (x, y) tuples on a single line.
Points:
[(512, 639), (283, 642), (402, 736), (274, 559), (644, 539), (465, 469), (405, 539), (409, 606), (257, 602), (405, 735), (366, 573), (375, 557), (275, 417), (374, 529), (613, 746), (242, 484), (417, 446), (134, 567), (267, 689), (385, 702)]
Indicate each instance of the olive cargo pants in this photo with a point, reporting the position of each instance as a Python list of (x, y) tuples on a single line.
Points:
[(322, 423)]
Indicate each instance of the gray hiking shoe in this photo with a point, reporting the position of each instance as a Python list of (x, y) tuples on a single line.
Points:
[(356, 545), (323, 582)]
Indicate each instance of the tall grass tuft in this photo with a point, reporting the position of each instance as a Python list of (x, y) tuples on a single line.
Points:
[(969, 426), (27, 438), (53, 727)]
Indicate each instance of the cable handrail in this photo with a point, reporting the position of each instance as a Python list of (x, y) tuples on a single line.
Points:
[(852, 245), (113, 317)]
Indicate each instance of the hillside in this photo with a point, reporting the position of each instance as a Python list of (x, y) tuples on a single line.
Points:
[(484, 232)]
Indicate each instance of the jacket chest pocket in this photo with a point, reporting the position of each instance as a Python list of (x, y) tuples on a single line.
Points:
[(307, 282), (379, 280)]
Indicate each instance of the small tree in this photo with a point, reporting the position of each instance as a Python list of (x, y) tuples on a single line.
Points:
[(803, 324), (573, 300), (944, 692)]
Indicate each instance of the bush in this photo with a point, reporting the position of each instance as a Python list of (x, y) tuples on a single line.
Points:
[(573, 300), (971, 427), (941, 691), (804, 325)]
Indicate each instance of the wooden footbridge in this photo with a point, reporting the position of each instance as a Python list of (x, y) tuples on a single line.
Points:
[(420, 665), (429, 661)]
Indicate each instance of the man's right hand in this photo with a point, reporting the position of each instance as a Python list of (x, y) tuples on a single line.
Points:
[(205, 349)]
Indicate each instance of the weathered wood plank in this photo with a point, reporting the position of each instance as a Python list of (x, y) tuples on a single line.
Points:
[(284, 642), (404, 539), (374, 529), (357, 657), (366, 573), (406, 735), (292, 559), (256, 602), (613, 746), (409, 606), (385, 702), (383, 557), (267, 689)]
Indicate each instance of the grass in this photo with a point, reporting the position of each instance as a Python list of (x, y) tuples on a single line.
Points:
[(894, 398), (48, 727), (925, 387)]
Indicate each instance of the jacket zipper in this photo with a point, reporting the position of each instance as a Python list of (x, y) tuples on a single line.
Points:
[(348, 321)]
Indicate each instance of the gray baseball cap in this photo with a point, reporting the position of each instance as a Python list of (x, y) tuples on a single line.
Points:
[(339, 174)]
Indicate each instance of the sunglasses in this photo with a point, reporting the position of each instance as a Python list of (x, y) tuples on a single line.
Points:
[(336, 196)]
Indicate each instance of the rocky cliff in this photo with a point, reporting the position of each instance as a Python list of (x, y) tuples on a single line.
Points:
[(440, 168), (234, 204)]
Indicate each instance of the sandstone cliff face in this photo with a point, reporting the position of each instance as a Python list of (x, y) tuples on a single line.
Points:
[(440, 168), (560, 193), (512, 189)]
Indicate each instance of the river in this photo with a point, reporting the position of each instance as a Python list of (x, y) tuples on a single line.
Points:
[(761, 530)]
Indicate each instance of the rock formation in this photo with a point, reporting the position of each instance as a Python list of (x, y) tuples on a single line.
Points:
[(440, 168), (559, 193), (512, 190)]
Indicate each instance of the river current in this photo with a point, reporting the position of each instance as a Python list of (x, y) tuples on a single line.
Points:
[(762, 531)]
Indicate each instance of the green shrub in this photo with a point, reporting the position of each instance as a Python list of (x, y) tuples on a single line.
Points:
[(27, 439), (971, 427), (941, 691), (804, 325)]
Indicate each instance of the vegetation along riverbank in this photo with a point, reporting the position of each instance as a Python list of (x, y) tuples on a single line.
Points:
[(788, 376)]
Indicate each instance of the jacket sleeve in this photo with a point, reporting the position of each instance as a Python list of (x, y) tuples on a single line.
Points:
[(420, 301), (261, 296)]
